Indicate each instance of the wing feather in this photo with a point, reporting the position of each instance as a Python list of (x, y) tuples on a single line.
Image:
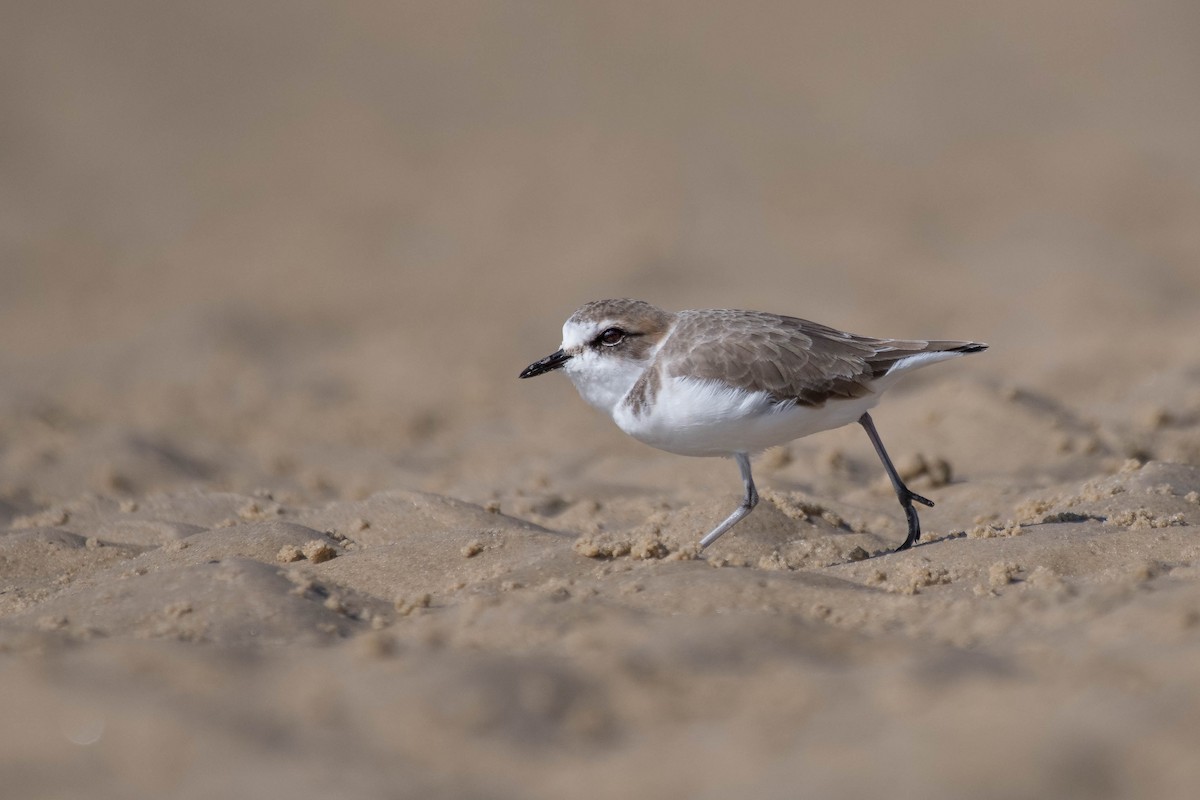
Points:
[(791, 359)]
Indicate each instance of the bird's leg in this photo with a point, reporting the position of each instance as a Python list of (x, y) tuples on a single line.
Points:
[(748, 502), (905, 495)]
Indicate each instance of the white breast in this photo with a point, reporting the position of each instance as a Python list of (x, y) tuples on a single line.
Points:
[(708, 418)]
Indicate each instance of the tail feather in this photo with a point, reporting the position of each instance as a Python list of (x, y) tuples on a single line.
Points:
[(902, 356), (938, 346)]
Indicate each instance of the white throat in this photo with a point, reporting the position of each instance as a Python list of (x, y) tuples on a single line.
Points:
[(601, 378)]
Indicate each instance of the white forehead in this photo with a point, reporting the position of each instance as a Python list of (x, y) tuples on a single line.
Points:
[(577, 333)]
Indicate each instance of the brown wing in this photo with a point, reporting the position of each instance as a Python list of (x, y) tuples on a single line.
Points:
[(790, 359)]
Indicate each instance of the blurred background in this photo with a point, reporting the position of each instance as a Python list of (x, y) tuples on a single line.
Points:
[(260, 259), (239, 240)]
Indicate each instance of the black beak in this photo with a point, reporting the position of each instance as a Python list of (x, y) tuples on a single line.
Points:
[(547, 364)]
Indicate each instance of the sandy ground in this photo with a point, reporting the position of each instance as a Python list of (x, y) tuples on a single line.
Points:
[(279, 520)]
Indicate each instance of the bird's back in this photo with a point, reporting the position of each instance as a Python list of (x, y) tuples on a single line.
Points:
[(790, 359)]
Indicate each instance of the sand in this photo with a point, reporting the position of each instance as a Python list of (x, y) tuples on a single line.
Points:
[(278, 520)]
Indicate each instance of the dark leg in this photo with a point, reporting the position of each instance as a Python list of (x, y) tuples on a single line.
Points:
[(739, 513), (905, 496)]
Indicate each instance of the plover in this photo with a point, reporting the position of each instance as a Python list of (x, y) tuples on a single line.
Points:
[(720, 382)]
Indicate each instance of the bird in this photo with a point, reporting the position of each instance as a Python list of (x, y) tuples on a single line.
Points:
[(730, 383)]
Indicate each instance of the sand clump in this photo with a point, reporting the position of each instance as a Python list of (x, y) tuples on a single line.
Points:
[(593, 546), (315, 551)]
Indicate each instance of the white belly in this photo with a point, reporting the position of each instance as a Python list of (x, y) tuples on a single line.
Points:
[(708, 418)]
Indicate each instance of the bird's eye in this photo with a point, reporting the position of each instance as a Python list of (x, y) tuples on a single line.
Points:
[(611, 337)]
